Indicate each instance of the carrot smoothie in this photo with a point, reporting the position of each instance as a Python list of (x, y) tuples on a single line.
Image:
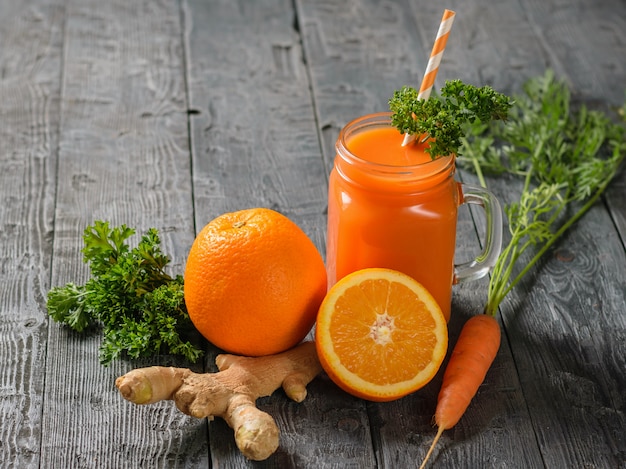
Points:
[(392, 206)]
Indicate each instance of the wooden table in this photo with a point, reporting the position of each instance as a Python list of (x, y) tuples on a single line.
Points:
[(167, 113)]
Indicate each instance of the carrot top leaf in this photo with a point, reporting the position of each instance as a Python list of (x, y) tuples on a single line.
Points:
[(566, 158)]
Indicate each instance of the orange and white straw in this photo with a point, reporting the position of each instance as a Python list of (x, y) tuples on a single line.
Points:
[(433, 62)]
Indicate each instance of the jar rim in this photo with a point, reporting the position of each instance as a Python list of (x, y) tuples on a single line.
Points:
[(383, 119)]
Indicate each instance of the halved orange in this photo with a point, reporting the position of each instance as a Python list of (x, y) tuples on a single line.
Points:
[(380, 335)]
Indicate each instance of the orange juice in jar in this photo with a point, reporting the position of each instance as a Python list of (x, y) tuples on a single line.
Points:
[(394, 206)]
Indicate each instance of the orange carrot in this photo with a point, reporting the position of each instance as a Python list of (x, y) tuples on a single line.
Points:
[(473, 354)]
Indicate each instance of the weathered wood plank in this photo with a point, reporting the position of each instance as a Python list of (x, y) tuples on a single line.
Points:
[(615, 201), (255, 144), (491, 43), (354, 65), (577, 341), (342, 41), (30, 64), (123, 157), (584, 43)]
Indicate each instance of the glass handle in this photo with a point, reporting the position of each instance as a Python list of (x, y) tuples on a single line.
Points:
[(482, 265)]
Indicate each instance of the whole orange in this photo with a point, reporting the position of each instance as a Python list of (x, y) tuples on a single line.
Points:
[(254, 282)]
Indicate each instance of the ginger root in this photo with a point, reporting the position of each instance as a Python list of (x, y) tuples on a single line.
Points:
[(230, 393)]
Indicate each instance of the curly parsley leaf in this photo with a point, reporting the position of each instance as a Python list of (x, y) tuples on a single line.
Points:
[(67, 304), (140, 308), (441, 118)]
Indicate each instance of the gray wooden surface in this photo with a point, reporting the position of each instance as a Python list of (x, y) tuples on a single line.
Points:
[(167, 113)]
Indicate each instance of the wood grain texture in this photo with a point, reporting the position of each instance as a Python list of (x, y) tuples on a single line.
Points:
[(123, 157), (491, 43), (585, 43), (571, 369), (254, 141), (30, 64), (354, 66), (255, 144), (615, 201)]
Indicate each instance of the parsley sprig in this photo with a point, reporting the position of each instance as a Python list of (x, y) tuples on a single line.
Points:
[(442, 118), (566, 159), (140, 308)]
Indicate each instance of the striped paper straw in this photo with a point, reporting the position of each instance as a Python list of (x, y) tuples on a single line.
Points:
[(433, 62)]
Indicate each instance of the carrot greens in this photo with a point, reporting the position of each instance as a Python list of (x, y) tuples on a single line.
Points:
[(566, 157)]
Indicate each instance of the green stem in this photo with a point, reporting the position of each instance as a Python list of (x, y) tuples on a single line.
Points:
[(498, 282), (479, 173), (499, 278), (496, 298), (585, 208)]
